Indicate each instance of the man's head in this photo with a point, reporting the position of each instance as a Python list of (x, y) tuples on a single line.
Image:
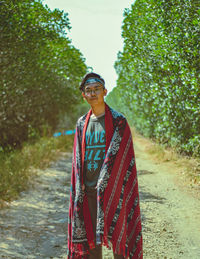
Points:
[(93, 88), (89, 78)]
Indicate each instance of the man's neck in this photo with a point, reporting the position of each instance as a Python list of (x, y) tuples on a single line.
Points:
[(98, 109)]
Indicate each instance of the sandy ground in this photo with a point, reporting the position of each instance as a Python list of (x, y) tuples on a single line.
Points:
[(35, 225)]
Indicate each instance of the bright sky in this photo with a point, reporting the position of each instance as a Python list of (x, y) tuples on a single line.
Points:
[(96, 31)]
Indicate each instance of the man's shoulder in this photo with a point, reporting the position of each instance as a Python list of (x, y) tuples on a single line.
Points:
[(117, 114), (83, 117), (81, 120)]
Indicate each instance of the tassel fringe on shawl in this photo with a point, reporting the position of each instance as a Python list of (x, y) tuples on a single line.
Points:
[(118, 211)]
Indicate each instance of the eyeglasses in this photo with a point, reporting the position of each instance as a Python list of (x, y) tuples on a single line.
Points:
[(95, 91)]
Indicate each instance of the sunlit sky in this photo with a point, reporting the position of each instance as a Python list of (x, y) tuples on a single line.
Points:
[(96, 32)]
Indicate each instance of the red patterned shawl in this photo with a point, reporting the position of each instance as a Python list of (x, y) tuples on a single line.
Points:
[(118, 211)]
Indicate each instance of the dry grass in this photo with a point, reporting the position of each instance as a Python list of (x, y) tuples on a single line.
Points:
[(18, 167), (187, 166)]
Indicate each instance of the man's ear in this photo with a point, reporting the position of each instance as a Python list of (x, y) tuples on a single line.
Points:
[(105, 91), (83, 94)]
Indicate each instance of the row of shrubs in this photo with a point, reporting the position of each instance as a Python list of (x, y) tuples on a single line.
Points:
[(158, 71), (40, 70)]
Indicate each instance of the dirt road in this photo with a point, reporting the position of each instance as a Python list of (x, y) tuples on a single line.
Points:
[(170, 212), (35, 226)]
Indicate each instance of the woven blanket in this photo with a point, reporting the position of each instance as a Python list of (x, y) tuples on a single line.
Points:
[(118, 211)]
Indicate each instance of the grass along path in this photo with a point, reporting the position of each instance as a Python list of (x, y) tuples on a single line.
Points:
[(17, 167)]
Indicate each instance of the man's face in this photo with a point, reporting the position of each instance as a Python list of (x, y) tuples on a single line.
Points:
[(94, 93)]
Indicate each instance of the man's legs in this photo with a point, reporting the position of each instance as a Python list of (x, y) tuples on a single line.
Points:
[(95, 253), (118, 256)]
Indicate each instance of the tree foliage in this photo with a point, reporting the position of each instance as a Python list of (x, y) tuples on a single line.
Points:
[(40, 69), (159, 73)]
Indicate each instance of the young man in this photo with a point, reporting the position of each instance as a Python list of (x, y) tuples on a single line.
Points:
[(104, 201)]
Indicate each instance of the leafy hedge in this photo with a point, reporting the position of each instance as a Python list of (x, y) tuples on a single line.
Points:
[(40, 69), (159, 73)]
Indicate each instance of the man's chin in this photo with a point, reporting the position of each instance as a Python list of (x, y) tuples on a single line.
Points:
[(93, 99)]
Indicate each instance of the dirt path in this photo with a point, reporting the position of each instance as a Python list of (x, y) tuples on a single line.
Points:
[(35, 226), (171, 214)]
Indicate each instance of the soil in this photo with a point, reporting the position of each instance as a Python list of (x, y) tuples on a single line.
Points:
[(35, 225)]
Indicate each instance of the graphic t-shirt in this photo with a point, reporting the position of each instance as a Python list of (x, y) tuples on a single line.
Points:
[(95, 149)]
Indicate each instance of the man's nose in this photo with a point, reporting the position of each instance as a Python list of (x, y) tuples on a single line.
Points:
[(93, 92)]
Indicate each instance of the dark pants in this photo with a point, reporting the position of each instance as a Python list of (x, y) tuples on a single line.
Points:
[(95, 253)]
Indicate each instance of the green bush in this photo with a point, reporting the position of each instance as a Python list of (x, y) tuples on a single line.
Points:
[(40, 70), (158, 71)]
